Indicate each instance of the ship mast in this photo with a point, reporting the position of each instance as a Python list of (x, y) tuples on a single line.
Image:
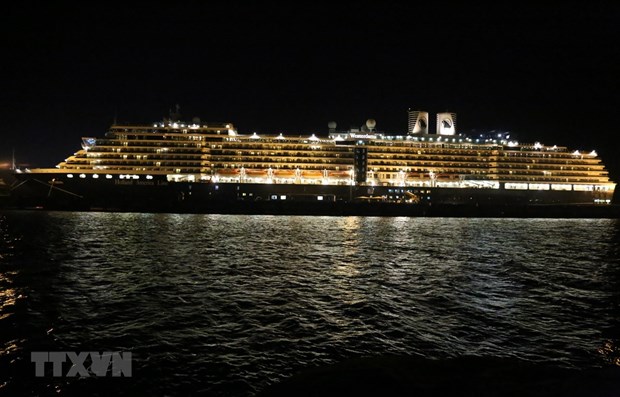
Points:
[(13, 161)]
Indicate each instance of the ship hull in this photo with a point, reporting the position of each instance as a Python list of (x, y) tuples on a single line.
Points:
[(57, 192)]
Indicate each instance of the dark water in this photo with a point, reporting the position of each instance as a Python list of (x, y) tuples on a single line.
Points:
[(227, 305)]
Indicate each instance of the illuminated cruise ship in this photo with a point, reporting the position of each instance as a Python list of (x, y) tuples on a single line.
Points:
[(212, 161)]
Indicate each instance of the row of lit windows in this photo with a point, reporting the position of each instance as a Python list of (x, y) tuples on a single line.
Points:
[(436, 162), (290, 153), (214, 156), (166, 151), (521, 150), (427, 164), (496, 156), (103, 143), (592, 162), (139, 156), (520, 185), (431, 145), (552, 155), (290, 167), (270, 162), (197, 134), (125, 159), (421, 150), (441, 168), (292, 147), (147, 137), (539, 172), (281, 153), (498, 159), (456, 172), (152, 170), (371, 175), (144, 144), (123, 162)]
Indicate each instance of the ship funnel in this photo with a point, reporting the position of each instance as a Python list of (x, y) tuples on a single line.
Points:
[(446, 123), (175, 115), (418, 122)]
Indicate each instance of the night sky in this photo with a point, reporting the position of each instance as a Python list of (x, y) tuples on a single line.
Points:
[(546, 73)]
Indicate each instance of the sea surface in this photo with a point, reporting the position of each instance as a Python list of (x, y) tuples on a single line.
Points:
[(228, 305)]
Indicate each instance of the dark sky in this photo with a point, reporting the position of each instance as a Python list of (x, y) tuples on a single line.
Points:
[(548, 73)]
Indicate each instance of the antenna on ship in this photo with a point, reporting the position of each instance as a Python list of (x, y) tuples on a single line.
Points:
[(13, 167), (371, 124), (176, 115)]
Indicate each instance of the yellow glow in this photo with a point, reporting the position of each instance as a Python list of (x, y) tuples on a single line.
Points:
[(611, 352), (8, 296)]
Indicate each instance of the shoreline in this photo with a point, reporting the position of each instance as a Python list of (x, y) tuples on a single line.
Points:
[(337, 208)]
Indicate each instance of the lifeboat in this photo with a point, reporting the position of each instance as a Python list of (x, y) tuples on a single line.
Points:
[(228, 172), (339, 174), (426, 175), (312, 174), (446, 177), (256, 173), (284, 173)]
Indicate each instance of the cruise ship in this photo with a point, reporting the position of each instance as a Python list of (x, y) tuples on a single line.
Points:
[(176, 165)]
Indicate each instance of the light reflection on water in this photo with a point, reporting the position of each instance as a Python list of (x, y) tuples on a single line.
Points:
[(237, 302)]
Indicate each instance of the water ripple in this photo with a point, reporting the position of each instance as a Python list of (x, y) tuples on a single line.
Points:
[(230, 304)]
